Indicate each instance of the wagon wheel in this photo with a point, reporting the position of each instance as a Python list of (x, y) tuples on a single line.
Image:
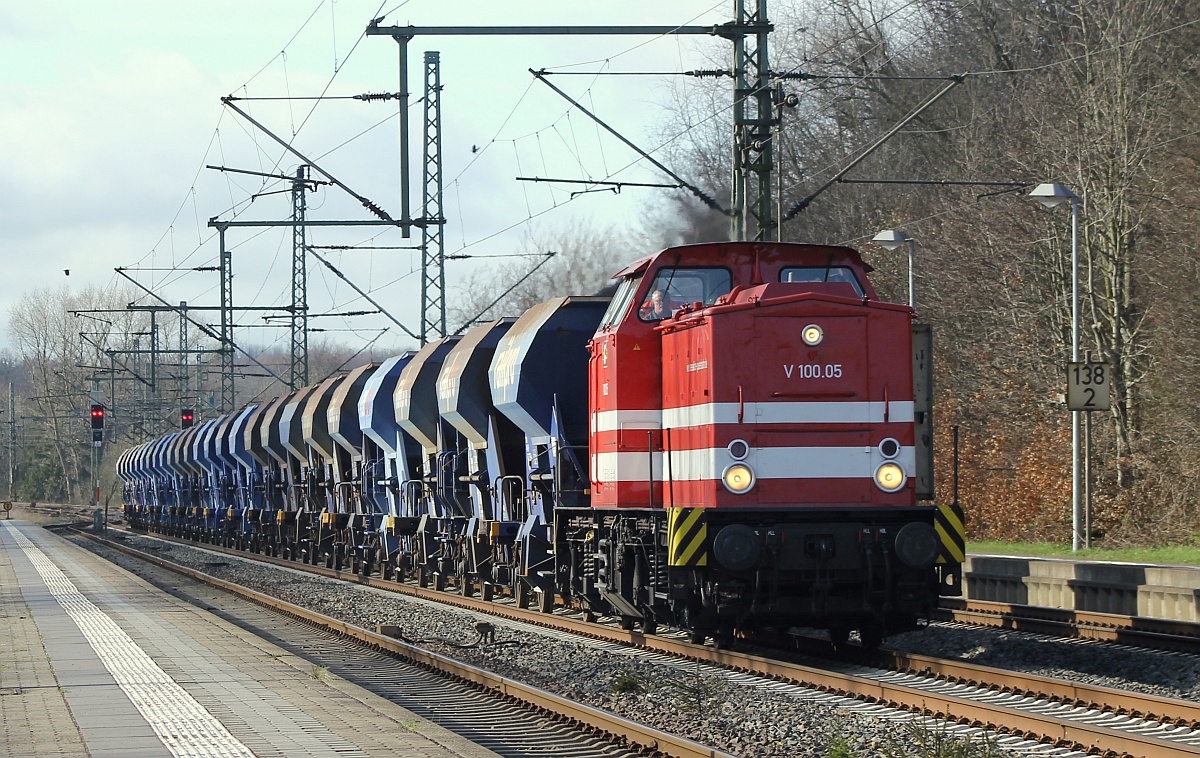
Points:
[(546, 601), (724, 638), (649, 622)]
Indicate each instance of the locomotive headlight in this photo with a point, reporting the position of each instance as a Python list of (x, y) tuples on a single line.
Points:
[(889, 477), (738, 478), (812, 335), (889, 448), (738, 449)]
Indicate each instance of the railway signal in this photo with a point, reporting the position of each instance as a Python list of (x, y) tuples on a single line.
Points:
[(97, 423), (186, 418)]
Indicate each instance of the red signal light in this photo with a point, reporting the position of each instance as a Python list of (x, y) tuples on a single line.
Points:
[(97, 416)]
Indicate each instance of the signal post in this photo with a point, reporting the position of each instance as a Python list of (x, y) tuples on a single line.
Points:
[(1088, 389), (97, 446)]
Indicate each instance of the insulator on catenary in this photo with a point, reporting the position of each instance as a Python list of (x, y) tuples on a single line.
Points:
[(376, 96), (710, 72)]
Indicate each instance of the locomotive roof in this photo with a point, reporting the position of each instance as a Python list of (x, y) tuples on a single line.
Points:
[(820, 254)]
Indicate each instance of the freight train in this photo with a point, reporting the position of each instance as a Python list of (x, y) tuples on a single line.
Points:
[(739, 438)]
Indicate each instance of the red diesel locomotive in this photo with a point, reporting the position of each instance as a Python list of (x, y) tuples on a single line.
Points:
[(757, 456)]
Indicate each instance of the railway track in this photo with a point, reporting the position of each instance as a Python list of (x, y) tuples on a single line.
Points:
[(621, 732), (56, 510), (1050, 711), (1138, 631)]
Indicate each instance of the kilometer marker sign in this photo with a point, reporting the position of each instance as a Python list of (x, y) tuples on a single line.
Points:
[(1087, 386)]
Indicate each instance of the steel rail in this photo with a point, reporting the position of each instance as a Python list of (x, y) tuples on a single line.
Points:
[(1104, 699), (1140, 631), (641, 737), (1000, 718)]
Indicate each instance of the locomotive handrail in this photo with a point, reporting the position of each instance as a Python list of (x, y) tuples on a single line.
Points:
[(650, 468)]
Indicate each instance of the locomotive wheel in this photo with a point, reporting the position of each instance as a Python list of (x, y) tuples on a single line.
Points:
[(871, 636), (839, 635), (686, 618)]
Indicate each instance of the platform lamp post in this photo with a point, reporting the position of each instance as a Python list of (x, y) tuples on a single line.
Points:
[(890, 239), (1052, 196)]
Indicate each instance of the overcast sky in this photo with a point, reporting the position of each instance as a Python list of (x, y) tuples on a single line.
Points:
[(110, 111)]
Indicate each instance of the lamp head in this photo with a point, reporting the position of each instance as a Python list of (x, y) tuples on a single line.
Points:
[(1051, 195), (891, 239)]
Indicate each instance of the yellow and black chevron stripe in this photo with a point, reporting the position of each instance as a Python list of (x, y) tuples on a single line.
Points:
[(687, 532), (952, 532)]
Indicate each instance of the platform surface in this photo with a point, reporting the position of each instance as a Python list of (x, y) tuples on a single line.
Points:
[(96, 661)]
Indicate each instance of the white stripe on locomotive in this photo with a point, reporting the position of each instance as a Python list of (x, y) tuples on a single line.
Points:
[(768, 463), (897, 412)]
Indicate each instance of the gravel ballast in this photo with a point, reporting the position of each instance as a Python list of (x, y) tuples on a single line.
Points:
[(742, 715)]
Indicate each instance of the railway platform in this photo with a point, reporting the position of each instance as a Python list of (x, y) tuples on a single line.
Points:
[(95, 661)]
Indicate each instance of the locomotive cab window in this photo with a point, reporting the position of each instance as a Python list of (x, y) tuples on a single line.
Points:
[(821, 274), (674, 287), (620, 301)]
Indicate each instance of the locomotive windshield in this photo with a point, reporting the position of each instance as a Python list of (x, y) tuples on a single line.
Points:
[(821, 274), (673, 287), (620, 301)]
